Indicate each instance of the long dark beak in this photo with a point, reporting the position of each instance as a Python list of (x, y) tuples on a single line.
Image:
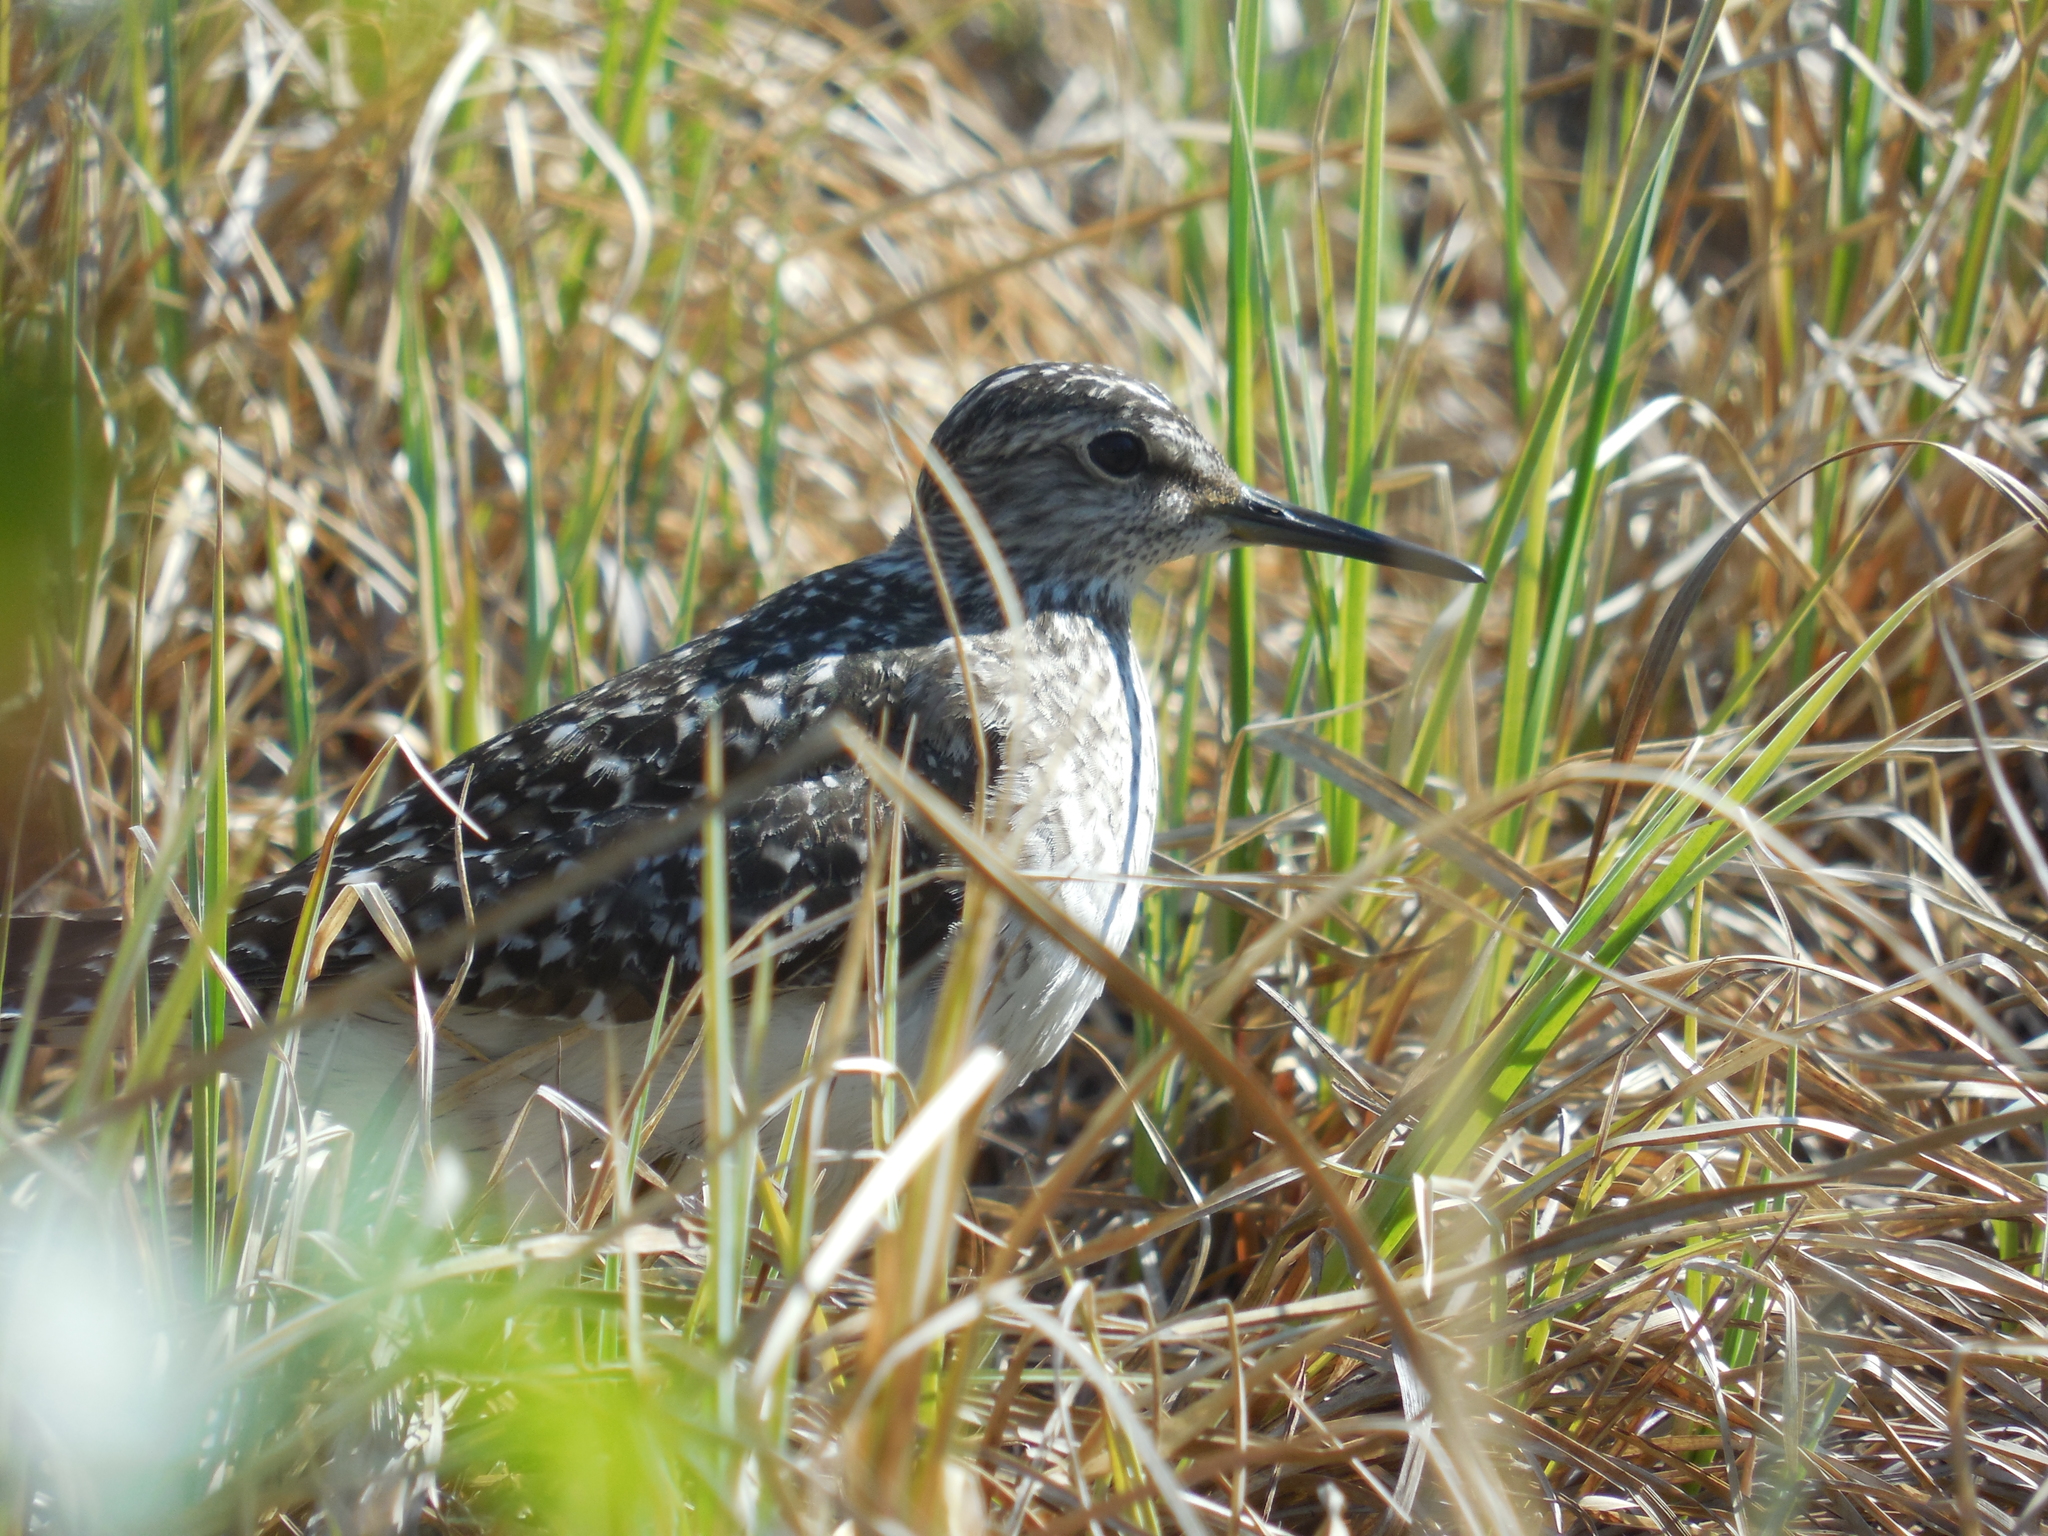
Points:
[(1258, 518)]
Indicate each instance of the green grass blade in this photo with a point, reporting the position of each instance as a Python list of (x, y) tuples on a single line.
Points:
[(1514, 281), (632, 126), (1566, 596), (1181, 775), (1593, 207), (689, 587), (301, 693), (732, 1156), (1553, 993), (1531, 474), (1241, 365), (210, 1018), (535, 530), (421, 438), (22, 1040), (1917, 75), (1981, 245), (1870, 23), (1348, 680)]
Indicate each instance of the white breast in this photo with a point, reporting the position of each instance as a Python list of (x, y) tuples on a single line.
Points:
[(1080, 784)]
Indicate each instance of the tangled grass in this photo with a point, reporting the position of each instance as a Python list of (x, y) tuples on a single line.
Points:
[(1582, 1065)]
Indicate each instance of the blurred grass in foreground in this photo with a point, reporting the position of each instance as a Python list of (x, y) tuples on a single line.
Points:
[(1583, 1063)]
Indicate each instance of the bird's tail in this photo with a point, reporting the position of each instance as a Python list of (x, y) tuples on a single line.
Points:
[(61, 959)]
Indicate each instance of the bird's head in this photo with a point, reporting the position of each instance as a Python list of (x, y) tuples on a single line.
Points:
[(1088, 478)]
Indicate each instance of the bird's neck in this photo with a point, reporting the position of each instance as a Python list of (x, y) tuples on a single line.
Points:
[(982, 605)]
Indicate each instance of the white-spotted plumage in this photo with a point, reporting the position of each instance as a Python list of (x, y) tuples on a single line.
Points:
[(1086, 480)]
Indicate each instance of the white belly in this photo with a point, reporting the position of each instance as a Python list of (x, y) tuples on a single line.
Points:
[(535, 1112)]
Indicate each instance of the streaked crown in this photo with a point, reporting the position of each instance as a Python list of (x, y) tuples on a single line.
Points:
[(1084, 476)]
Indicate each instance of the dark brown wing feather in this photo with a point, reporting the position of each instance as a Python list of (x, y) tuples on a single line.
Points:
[(867, 640)]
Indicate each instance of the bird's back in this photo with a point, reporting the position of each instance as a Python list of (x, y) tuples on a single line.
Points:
[(1065, 730), (866, 641)]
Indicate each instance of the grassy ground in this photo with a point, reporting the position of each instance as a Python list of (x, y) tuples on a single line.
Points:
[(1582, 1067)]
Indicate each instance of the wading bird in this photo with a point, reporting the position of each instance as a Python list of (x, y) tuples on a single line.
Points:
[(1083, 480)]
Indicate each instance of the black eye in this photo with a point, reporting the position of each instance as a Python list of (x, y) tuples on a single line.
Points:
[(1118, 453)]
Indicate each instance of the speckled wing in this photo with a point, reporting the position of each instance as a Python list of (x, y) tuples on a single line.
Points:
[(623, 758)]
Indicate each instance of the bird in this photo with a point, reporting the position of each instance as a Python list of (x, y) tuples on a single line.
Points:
[(1008, 679)]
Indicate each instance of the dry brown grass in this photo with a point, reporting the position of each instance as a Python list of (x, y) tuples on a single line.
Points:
[(1748, 1236)]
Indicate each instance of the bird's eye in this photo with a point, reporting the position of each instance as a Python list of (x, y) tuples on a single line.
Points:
[(1118, 453)]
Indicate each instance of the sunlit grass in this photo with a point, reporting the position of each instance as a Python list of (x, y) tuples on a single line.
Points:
[(1581, 1065)]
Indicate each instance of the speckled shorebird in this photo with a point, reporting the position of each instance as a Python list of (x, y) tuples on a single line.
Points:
[(1086, 479)]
